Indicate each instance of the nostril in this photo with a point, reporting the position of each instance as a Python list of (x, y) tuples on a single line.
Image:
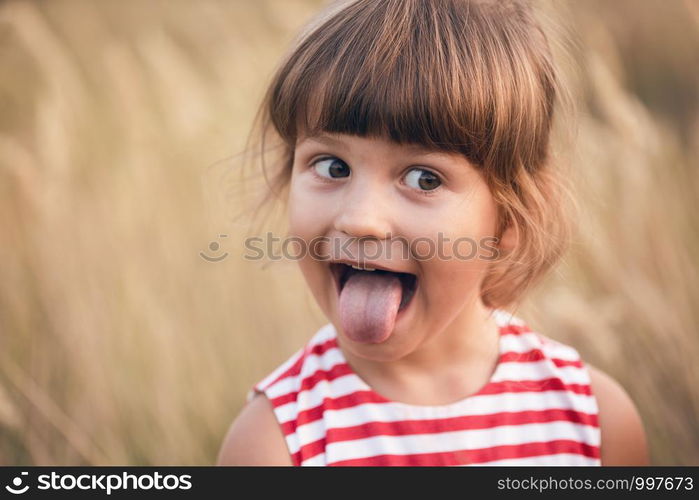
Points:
[(357, 223)]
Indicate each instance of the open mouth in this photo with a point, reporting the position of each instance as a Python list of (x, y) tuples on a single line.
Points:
[(342, 272)]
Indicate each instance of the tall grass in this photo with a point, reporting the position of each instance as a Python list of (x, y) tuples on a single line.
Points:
[(119, 344)]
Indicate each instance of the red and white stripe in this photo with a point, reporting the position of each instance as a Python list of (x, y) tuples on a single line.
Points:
[(537, 409)]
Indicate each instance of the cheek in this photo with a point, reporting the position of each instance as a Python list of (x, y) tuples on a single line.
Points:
[(302, 215), (449, 283), (460, 231), (307, 223), (458, 266)]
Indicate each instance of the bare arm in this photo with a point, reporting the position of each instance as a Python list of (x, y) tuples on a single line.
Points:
[(623, 440), (255, 437)]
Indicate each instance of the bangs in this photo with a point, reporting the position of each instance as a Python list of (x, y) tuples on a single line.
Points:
[(342, 80), (439, 74), (391, 102)]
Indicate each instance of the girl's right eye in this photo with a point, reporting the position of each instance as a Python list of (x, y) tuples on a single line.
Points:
[(331, 168)]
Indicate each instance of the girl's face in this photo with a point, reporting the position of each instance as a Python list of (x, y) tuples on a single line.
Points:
[(401, 208)]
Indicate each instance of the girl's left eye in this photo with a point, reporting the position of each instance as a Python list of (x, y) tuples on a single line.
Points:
[(331, 168), (424, 180)]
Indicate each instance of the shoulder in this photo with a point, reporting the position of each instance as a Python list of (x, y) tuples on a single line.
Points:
[(622, 436), (255, 437), (623, 439)]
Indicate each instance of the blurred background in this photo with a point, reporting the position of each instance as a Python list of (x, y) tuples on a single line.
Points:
[(120, 125)]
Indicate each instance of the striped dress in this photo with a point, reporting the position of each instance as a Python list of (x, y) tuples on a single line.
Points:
[(536, 409)]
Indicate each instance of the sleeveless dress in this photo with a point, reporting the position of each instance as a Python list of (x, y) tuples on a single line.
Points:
[(536, 409)]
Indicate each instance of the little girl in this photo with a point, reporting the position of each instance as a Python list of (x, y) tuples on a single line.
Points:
[(415, 162)]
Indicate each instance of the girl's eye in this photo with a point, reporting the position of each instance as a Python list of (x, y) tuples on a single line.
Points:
[(421, 179), (332, 168)]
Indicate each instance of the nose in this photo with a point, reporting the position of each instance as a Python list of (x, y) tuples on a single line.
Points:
[(363, 213)]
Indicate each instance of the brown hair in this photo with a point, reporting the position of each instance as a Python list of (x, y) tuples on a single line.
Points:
[(474, 77)]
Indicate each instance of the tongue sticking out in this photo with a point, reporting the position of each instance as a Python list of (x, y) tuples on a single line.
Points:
[(368, 306)]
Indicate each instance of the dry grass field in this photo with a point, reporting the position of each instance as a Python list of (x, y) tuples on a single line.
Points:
[(120, 125)]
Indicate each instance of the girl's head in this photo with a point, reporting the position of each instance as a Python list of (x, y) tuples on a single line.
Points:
[(417, 118)]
